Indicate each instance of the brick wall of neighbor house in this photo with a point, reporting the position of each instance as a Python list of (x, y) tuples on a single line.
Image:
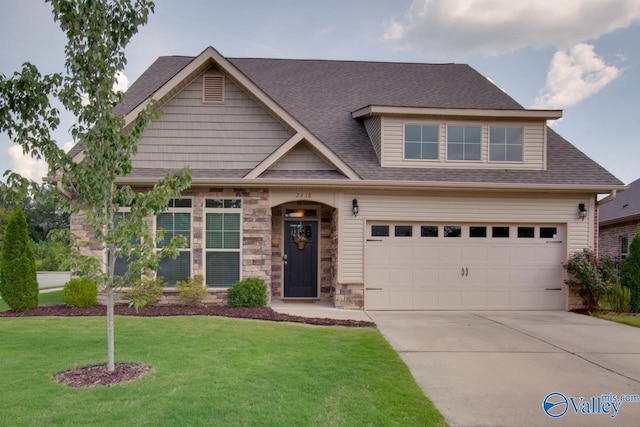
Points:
[(610, 237)]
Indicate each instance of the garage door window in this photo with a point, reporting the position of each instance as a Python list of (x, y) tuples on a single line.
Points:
[(477, 231), (380, 231), (500, 232), (452, 231), (548, 232), (429, 231), (403, 230), (526, 232)]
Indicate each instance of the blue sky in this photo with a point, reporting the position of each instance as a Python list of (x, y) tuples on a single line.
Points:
[(578, 56)]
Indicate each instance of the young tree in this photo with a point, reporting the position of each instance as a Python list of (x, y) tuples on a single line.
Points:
[(18, 280), (631, 272), (97, 34)]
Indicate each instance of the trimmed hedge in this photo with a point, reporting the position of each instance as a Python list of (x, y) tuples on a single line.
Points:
[(250, 292), (79, 293), (631, 272)]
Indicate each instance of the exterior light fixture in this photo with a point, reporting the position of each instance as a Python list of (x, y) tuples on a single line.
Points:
[(355, 208), (582, 211)]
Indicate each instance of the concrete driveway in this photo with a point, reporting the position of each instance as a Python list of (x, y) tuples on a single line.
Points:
[(497, 368)]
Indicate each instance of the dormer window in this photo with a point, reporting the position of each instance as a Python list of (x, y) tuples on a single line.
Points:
[(421, 142), (464, 142), (505, 144)]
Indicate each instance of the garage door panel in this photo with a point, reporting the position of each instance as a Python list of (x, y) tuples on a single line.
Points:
[(498, 254), (400, 278), (450, 254), (425, 254), (547, 253), (475, 254), (522, 255), (401, 255), (438, 272), (450, 299), (401, 299), (474, 299), (425, 276), (425, 298)]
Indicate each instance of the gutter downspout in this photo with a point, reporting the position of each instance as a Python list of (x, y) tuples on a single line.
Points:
[(607, 199)]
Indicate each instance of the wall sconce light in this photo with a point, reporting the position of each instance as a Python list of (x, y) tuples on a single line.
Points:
[(355, 208), (582, 211)]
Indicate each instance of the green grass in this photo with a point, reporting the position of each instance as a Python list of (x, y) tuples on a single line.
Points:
[(621, 318), (47, 298), (208, 371)]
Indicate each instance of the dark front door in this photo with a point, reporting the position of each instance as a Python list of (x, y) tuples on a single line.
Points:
[(301, 263)]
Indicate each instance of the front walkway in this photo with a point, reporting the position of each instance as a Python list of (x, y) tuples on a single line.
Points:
[(319, 309)]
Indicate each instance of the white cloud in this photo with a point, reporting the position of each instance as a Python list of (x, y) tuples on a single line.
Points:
[(122, 82), (444, 27), (573, 76), (26, 166)]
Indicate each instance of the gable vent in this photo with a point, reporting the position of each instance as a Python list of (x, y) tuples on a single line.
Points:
[(213, 89)]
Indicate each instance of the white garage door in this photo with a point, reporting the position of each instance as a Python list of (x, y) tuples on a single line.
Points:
[(463, 266)]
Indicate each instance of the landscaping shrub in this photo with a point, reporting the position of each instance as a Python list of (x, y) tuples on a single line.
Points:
[(250, 292), (145, 292), (191, 291), (18, 278), (592, 275), (80, 293), (630, 277), (619, 298)]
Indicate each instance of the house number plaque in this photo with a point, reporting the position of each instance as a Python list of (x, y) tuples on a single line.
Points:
[(303, 195)]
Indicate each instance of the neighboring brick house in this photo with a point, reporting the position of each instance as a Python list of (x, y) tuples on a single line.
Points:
[(619, 220), (413, 186)]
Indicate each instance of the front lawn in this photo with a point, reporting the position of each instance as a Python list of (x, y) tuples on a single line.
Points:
[(208, 371), (621, 318), (44, 298)]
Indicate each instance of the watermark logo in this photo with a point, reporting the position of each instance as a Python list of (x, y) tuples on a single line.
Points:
[(556, 404)]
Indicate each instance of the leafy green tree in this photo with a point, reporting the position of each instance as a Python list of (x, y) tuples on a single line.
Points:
[(631, 272), (18, 281), (97, 33)]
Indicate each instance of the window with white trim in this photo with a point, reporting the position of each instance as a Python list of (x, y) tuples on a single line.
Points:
[(505, 144), (176, 221), (421, 142), (463, 142), (223, 237)]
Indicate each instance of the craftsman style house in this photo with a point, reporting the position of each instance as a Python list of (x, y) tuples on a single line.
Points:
[(371, 185)]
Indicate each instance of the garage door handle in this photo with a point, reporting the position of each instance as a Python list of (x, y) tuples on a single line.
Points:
[(374, 240), (373, 289), (553, 289), (464, 272), (554, 241)]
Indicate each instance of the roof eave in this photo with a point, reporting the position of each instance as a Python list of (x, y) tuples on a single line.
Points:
[(395, 185), (376, 110)]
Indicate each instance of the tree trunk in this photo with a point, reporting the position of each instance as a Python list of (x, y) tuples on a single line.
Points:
[(110, 315)]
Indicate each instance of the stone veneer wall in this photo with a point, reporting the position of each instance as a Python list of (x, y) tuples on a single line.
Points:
[(256, 238)]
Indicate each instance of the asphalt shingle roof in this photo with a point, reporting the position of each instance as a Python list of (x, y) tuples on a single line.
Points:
[(625, 205), (321, 95)]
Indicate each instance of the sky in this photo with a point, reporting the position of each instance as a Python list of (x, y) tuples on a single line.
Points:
[(580, 56)]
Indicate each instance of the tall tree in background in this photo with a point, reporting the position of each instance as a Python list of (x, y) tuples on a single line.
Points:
[(631, 272), (97, 33), (18, 282)]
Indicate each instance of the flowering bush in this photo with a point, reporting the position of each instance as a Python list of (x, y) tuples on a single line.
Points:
[(592, 275)]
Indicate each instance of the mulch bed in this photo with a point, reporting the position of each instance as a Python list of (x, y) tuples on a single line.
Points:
[(258, 313), (92, 376)]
